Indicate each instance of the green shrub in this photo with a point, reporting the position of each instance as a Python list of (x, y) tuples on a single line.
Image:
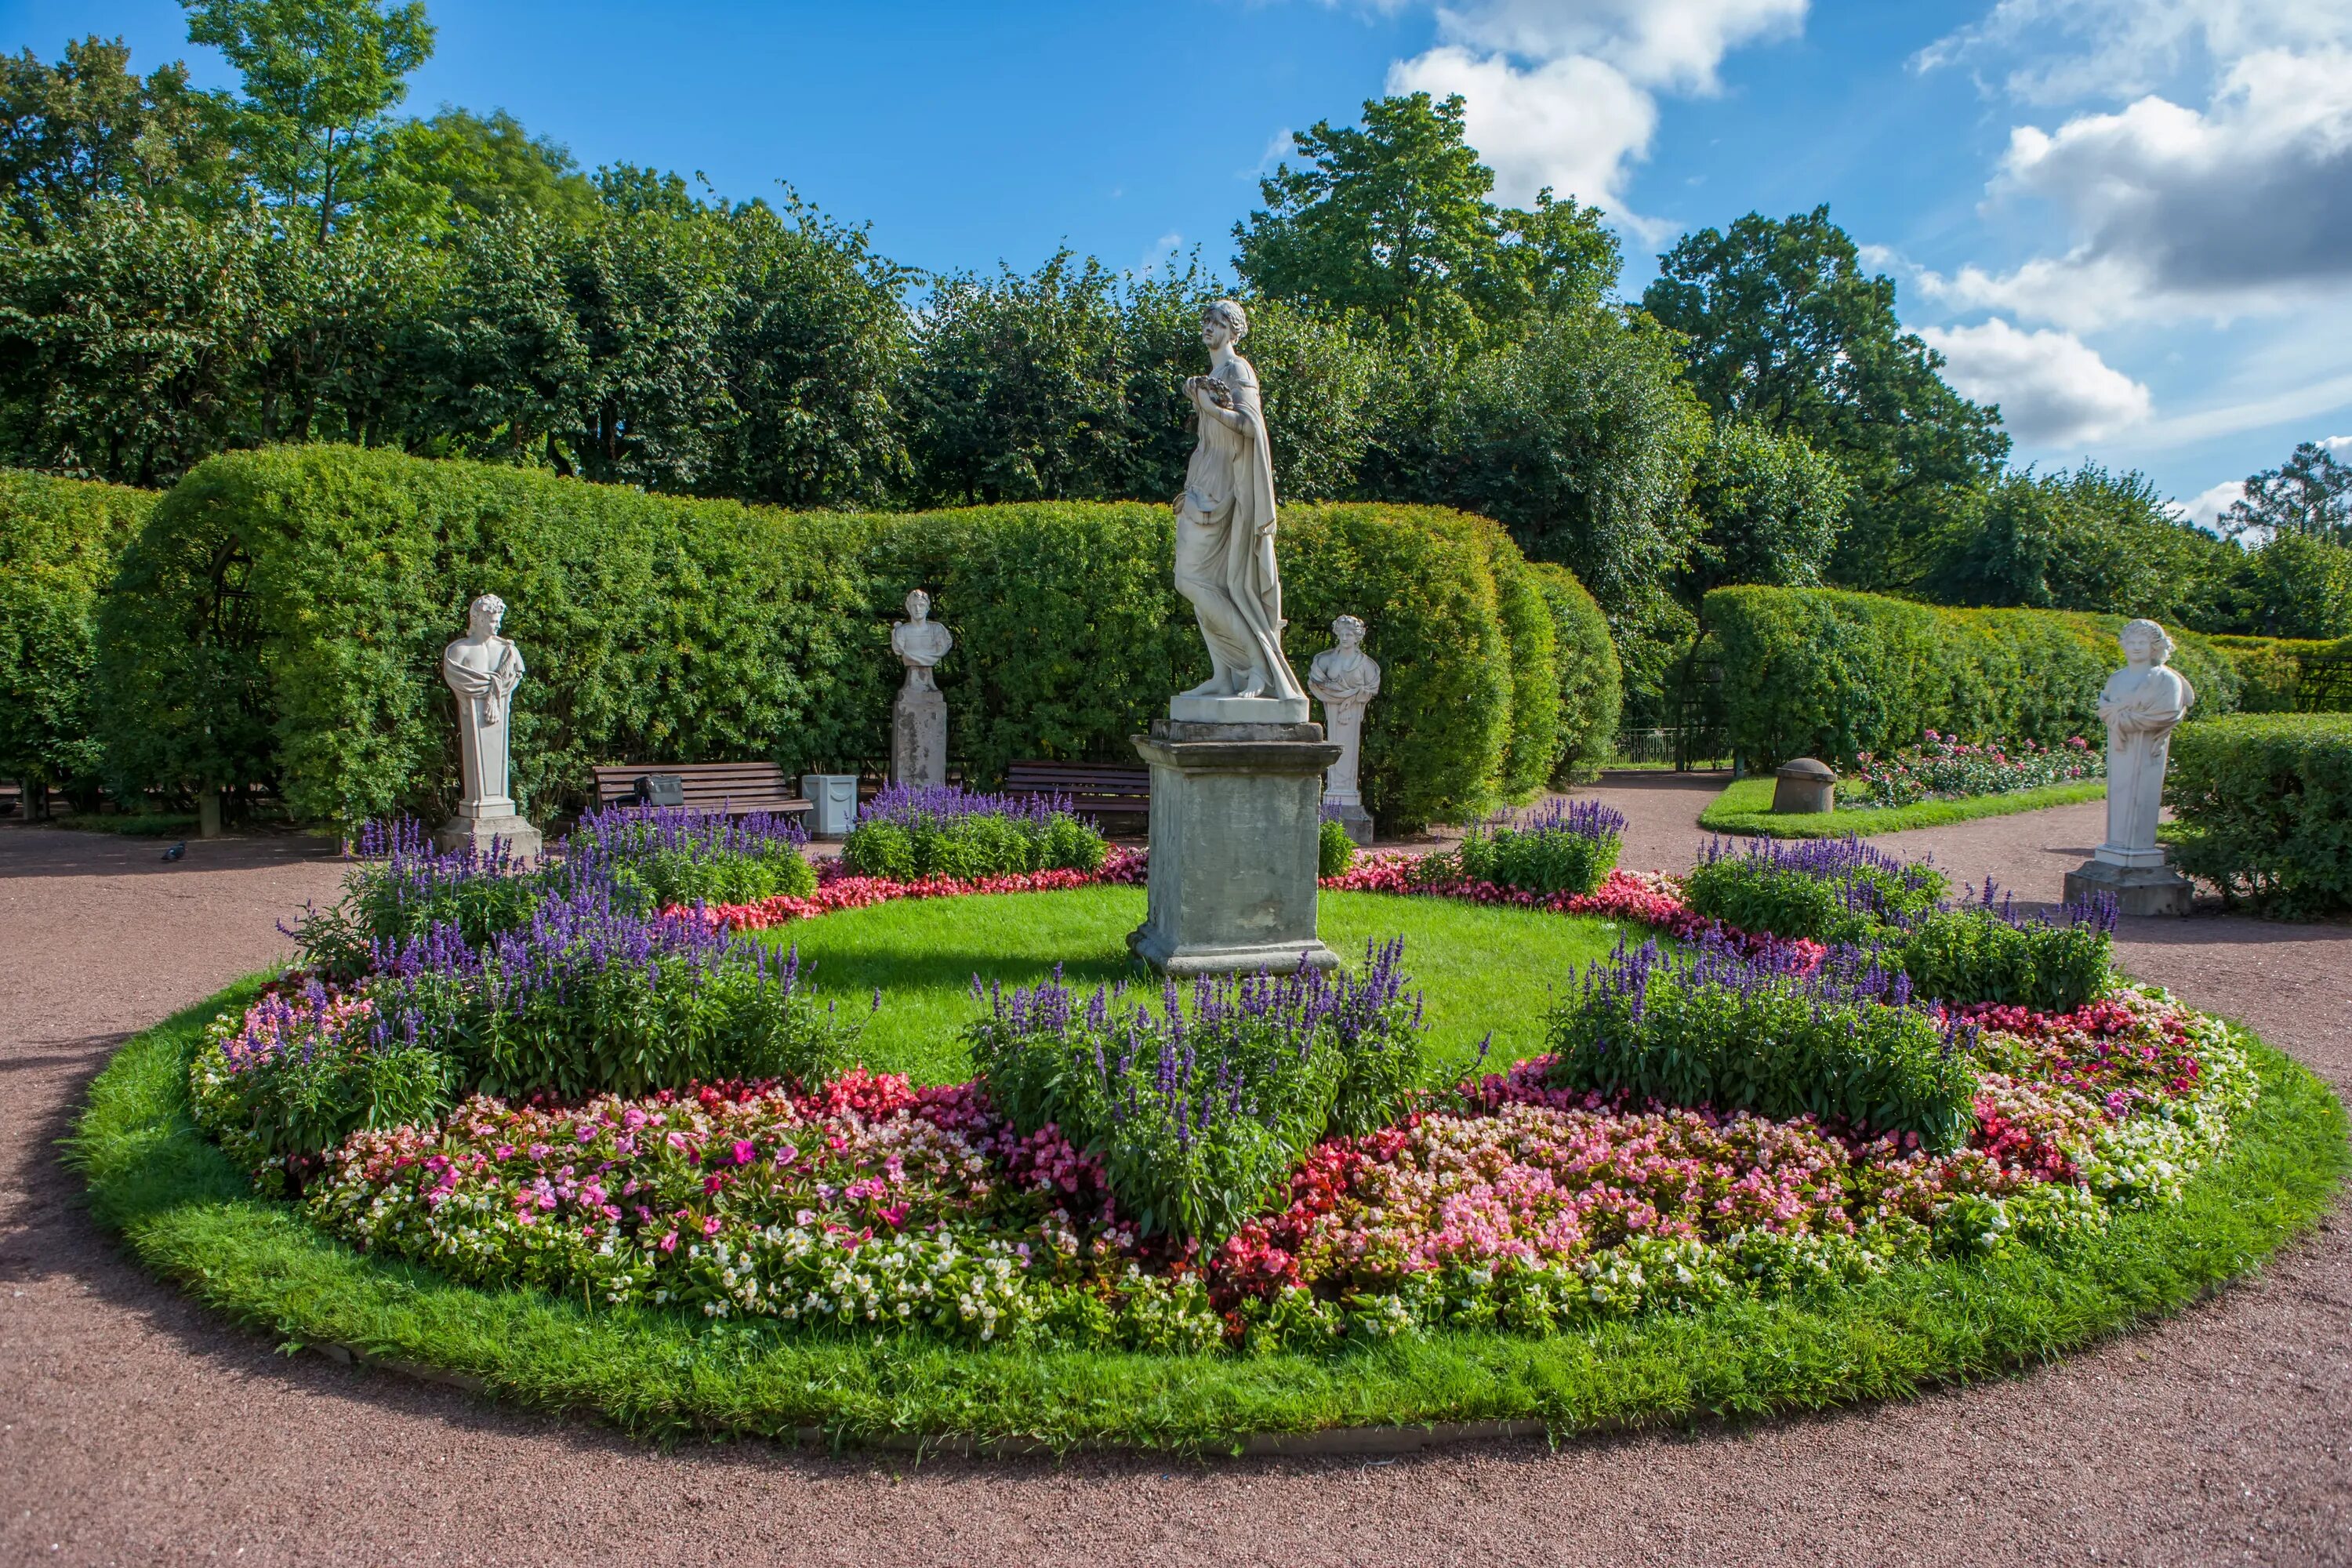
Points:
[(2264, 805), (1980, 953), (1713, 1031), (1818, 672), (1533, 749), (301, 1071), (907, 834), (1825, 889), (60, 541), (659, 858), (1198, 1120), (2270, 674), (1591, 684), (1567, 847), (282, 616), (1334, 850)]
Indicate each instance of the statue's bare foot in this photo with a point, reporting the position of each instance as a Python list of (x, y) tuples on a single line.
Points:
[(1213, 687), (1253, 685)]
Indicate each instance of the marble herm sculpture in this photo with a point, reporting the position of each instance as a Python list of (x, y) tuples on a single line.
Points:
[(482, 670), (2142, 703), (1346, 679), (1224, 541), (919, 729)]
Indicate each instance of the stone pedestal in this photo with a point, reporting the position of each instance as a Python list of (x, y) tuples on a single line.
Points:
[(1239, 711), (1234, 818), (919, 738), (2139, 880), (1351, 816), (832, 804), (1806, 786), (478, 822)]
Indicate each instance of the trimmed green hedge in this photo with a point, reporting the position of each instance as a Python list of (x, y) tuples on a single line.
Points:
[(2271, 671), (1592, 682), (2263, 804), (1820, 672), (281, 618), (60, 541)]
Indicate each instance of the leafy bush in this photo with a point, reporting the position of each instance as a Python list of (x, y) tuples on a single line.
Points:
[(1985, 952), (1591, 692), (302, 1070), (673, 856), (1334, 850), (402, 887), (59, 540), (2271, 673), (2264, 805), (1199, 1112), (280, 618), (1945, 767), (1714, 1028), (908, 834), (1815, 672), (1564, 848), (589, 996), (1825, 889)]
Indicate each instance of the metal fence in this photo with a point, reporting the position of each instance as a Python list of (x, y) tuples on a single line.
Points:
[(1686, 747)]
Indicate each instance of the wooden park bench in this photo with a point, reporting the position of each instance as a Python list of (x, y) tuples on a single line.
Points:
[(735, 789), (1094, 787)]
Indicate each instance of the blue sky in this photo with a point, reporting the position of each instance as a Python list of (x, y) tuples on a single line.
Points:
[(2127, 221)]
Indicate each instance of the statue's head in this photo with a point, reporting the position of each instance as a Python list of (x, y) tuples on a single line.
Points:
[(1223, 321), (2145, 642), (483, 615), (919, 605), (1349, 631)]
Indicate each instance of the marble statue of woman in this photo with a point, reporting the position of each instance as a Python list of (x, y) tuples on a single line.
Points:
[(1347, 679), (920, 641), (1225, 525), (483, 669), (2140, 704)]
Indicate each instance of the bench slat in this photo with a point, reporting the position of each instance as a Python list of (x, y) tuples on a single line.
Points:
[(739, 789)]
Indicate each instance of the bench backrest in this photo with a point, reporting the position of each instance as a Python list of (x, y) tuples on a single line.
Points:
[(735, 787), (1088, 783)]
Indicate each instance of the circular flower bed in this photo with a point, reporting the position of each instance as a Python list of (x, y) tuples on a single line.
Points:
[(1258, 1177)]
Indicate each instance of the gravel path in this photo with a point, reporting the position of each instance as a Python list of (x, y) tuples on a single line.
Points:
[(136, 1428)]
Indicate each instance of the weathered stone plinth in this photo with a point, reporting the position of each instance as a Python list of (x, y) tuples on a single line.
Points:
[(1235, 812), (1804, 787), (919, 738), (2139, 881), (478, 822), (1351, 816)]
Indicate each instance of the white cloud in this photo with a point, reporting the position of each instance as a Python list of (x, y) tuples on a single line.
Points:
[(2205, 509), (1563, 93), (2172, 212), (1160, 253), (2054, 389), (2341, 446)]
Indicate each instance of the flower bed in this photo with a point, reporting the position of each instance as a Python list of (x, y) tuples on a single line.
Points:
[(942, 832), (1945, 767), (839, 888)]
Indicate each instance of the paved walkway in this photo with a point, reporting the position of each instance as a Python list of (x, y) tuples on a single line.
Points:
[(136, 1428)]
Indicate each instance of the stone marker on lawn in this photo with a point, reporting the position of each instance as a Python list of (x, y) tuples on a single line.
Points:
[(2142, 702), (919, 729), (1236, 766), (483, 669), (1806, 786), (1346, 679)]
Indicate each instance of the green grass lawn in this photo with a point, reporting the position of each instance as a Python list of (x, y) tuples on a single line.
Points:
[(1480, 968), (185, 1211), (1746, 806)]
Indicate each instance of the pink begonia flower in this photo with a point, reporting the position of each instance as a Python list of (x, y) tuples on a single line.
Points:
[(710, 1226), (668, 1243), (744, 1150)]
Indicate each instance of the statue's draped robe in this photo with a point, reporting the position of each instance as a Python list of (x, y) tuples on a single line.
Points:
[(1229, 488), (2140, 704), (483, 675)]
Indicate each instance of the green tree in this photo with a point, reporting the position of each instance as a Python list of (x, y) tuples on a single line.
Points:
[(2295, 587), (87, 129), (2085, 540), (1021, 391), (459, 164), (321, 79), (1395, 219), (1781, 326), (502, 361), (1770, 509), (2310, 494)]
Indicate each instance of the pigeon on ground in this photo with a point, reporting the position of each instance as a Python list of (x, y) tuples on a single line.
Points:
[(176, 850)]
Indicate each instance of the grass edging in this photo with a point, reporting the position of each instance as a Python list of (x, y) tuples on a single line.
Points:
[(1746, 806), (184, 1211)]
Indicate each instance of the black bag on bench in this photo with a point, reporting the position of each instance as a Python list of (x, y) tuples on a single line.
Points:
[(660, 789)]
